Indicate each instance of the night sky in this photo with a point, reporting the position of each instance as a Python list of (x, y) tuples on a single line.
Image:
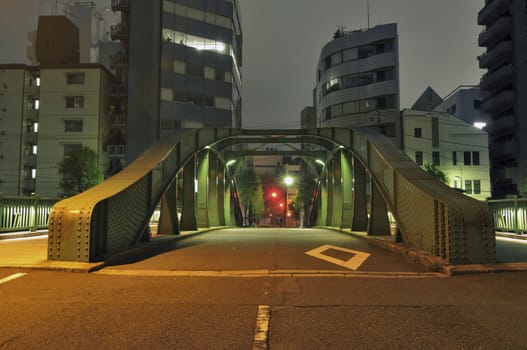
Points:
[(283, 39)]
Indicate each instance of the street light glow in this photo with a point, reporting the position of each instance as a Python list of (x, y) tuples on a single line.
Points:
[(288, 180)]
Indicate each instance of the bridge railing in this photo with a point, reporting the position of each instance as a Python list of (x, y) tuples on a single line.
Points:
[(24, 213), (510, 215)]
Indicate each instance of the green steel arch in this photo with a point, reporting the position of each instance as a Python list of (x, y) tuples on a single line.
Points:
[(430, 216)]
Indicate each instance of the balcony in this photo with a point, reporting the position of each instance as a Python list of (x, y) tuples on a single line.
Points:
[(29, 185), (498, 103), (499, 54), (113, 151), (33, 91), (119, 90), (502, 126), (119, 32), (121, 5), (498, 79), (118, 119), (119, 61), (31, 138), (492, 11), (496, 33), (30, 161), (502, 150)]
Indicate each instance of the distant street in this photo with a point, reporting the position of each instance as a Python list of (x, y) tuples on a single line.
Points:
[(240, 278)]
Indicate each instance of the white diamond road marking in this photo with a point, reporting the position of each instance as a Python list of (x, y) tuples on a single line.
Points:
[(12, 277), (352, 264)]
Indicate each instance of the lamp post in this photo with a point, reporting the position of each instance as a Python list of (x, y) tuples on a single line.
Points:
[(288, 180)]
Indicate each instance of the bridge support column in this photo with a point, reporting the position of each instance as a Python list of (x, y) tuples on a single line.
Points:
[(221, 195), (360, 206), (336, 201), (188, 210), (347, 191), (203, 186), (330, 192), (378, 224), (168, 220), (212, 200), (322, 209)]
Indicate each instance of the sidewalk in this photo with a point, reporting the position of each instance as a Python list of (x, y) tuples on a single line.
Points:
[(28, 250)]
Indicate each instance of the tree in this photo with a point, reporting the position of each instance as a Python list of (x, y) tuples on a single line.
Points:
[(435, 172), (79, 171), (250, 193)]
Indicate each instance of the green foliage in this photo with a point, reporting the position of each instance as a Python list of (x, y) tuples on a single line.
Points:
[(435, 172), (306, 187), (79, 171), (250, 192)]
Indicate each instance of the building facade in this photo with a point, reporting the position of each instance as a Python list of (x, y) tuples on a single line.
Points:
[(184, 61), (464, 102), (358, 78), (452, 145), (47, 112), (504, 92)]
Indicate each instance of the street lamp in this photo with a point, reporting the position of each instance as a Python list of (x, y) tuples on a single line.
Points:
[(288, 181)]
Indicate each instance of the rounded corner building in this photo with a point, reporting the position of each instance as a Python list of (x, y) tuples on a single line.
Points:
[(358, 80)]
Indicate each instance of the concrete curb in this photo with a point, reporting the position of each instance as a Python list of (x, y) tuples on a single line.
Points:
[(24, 234), (433, 263)]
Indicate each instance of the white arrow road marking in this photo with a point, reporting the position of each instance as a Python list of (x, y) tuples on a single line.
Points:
[(352, 264), (12, 277)]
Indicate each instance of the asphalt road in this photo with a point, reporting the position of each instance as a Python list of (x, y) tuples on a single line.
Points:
[(386, 303)]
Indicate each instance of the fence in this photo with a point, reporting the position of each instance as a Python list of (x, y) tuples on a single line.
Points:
[(510, 215), (24, 213)]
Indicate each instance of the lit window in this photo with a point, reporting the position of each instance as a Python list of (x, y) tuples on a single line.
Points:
[(34, 149), (37, 81), (74, 101), (35, 127), (37, 104), (222, 103), (167, 94), (33, 173)]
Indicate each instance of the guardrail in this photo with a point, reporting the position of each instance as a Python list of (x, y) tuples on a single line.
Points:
[(510, 215), (24, 213)]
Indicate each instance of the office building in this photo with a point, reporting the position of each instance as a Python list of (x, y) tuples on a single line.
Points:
[(358, 79), (504, 92), (183, 61)]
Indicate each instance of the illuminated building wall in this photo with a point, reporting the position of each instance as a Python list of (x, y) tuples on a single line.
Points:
[(454, 146), (184, 71)]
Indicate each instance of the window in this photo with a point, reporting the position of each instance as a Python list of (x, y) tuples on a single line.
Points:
[(419, 158), (36, 104), (468, 186), (477, 104), (73, 125), (222, 103), (435, 132), (436, 158), (74, 101), (336, 58), (475, 158), (466, 158), (75, 78), (477, 187), (195, 69), (210, 73), (417, 132), (70, 148), (454, 158), (167, 94), (350, 54), (219, 74)]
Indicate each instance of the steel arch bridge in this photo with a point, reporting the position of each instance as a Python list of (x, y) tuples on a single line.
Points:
[(430, 216)]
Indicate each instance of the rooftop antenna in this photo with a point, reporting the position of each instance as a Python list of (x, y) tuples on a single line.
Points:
[(368, 7)]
